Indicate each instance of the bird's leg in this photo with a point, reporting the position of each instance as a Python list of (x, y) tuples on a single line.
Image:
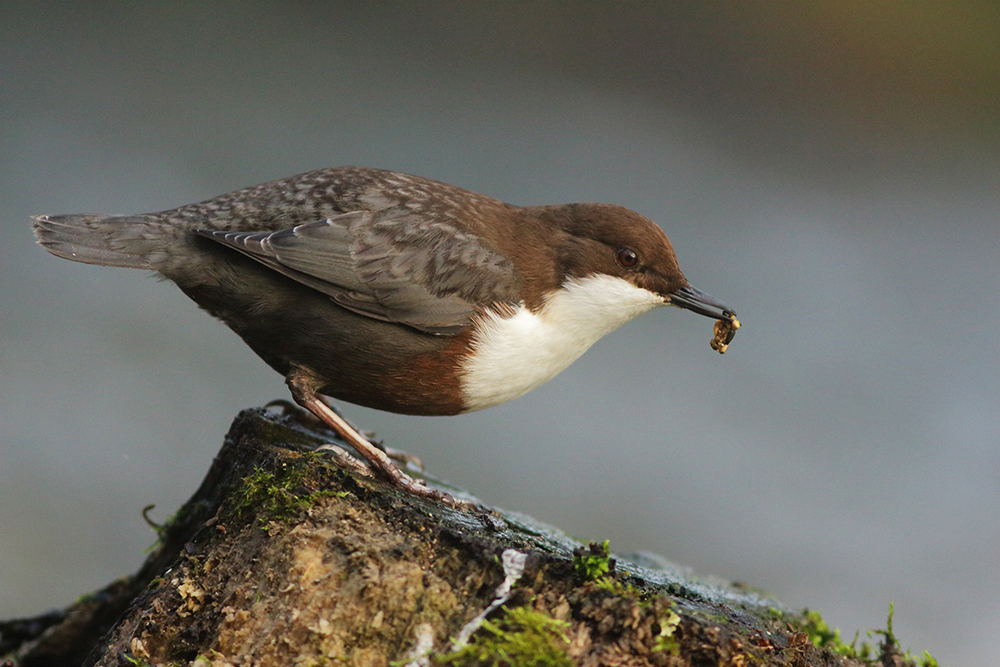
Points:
[(303, 386), (403, 458), (397, 455)]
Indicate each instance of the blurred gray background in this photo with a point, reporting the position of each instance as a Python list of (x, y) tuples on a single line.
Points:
[(831, 170)]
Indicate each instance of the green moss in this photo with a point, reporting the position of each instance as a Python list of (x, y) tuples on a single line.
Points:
[(86, 598), (593, 562), (277, 497), (710, 616), (616, 587), (889, 646), (823, 637), (666, 641), (927, 660), (522, 637)]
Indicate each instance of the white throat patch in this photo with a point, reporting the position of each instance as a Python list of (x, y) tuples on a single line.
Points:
[(516, 353)]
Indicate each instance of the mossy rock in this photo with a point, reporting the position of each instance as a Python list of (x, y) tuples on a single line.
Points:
[(282, 558)]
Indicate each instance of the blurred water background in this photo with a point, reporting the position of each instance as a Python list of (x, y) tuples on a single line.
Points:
[(831, 170)]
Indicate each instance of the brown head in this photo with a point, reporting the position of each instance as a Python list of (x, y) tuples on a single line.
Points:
[(613, 240)]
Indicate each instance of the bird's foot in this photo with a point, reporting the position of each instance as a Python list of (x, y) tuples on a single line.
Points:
[(303, 386), (394, 476), (343, 459), (405, 458)]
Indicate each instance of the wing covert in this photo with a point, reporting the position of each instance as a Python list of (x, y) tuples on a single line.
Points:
[(391, 265)]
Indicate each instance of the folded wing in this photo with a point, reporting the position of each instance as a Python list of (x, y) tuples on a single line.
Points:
[(387, 265)]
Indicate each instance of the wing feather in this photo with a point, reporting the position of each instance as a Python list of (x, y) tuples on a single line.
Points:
[(391, 265)]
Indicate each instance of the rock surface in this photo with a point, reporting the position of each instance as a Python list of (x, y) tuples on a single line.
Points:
[(282, 558)]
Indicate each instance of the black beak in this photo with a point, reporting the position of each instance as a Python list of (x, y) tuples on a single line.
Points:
[(694, 299)]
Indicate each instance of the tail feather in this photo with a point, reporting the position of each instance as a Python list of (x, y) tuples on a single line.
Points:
[(108, 240)]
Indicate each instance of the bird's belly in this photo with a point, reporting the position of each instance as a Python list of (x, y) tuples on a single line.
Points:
[(360, 360), (376, 364)]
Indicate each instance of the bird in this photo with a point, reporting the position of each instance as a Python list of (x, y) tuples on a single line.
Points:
[(397, 292)]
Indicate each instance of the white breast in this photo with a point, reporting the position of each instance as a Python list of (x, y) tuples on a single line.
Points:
[(513, 354)]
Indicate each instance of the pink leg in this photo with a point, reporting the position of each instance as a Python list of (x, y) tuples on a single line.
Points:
[(303, 387)]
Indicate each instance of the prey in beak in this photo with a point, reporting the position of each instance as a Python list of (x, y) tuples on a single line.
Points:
[(693, 299)]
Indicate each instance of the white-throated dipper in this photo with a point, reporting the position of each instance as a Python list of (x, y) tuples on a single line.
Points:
[(398, 292)]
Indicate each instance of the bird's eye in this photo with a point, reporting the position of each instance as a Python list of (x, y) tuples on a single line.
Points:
[(627, 257)]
